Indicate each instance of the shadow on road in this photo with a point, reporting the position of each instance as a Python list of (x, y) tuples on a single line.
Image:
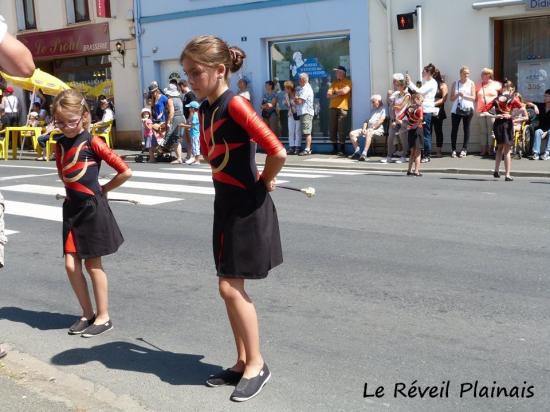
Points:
[(471, 179), (37, 320), (541, 183), (170, 367)]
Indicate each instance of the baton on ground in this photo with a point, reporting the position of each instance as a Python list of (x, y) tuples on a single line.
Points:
[(308, 191), (134, 202)]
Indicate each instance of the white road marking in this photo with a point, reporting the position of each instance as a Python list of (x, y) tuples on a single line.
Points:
[(33, 210), (30, 167), (170, 176), (25, 176), (53, 190), (10, 232), (165, 187)]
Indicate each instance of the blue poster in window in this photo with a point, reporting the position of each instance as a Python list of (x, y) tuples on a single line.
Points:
[(311, 66)]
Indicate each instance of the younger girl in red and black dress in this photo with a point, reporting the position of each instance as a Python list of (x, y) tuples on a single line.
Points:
[(246, 231), (503, 129), (415, 117), (89, 228)]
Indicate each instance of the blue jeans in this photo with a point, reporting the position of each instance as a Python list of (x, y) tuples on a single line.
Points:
[(537, 141), (427, 129)]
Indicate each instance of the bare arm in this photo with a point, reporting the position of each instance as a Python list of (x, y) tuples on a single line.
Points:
[(444, 94), (170, 107), (454, 95), (15, 58), (273, 165)]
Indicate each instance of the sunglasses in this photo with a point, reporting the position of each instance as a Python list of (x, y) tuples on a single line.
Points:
[(68, 125)]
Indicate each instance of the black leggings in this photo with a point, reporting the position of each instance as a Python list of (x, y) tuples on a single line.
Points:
[(437, 126), (455, 121)]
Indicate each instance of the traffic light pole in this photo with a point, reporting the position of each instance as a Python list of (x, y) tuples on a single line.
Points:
[(419, 35)]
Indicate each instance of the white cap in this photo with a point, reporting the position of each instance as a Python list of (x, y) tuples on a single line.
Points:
[(398, 76), (376, 97)]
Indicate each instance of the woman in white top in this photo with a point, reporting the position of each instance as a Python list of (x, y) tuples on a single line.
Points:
[(463, 94), (428, 90), (242, 84)]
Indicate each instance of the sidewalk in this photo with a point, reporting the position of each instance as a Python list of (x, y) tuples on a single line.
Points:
[(472, 164)]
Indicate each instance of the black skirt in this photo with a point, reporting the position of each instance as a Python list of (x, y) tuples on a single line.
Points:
[(95, 230), (504, 131), (246, 238)]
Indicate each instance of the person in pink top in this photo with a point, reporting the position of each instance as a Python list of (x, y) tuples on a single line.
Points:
[(486, 91)]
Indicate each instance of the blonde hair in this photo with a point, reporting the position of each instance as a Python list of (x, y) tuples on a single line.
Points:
[(72, 101), (290, 84), (488, 72), (464, 68), (212, 51)]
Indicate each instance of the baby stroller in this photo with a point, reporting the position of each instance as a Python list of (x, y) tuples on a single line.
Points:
[(161, 151), (523, 141)]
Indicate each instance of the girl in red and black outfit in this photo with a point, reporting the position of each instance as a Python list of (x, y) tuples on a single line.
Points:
[(246, 231), (415, 116), (503, 129), (89, 228)]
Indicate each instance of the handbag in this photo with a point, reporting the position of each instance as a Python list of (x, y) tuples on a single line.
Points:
[(460, 110)]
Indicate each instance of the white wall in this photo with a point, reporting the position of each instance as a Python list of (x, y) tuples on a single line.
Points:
[(454, 34), (154, 8), (262, 25)]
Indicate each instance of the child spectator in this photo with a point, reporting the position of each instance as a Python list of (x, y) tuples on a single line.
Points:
[(194, 132), (415, 116), (149, 141), (43, 140)]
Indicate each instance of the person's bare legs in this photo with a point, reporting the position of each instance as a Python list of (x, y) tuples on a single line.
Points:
[(417, 156), (100, 285), (498, 157), (73, 266), (507, 159), (308, 141), (241, 353), (412, 159), (244, 322)]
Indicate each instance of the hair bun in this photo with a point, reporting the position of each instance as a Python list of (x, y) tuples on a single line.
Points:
[(237, 58)]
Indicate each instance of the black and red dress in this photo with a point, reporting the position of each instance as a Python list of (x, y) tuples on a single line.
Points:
[(246, 239), (503, 128), (89, 227)]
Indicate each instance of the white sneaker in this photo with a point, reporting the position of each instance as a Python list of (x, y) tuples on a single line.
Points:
[(453, 154), (385, 160), (400, 160), (545, 156), (190, 160), (462, 154)]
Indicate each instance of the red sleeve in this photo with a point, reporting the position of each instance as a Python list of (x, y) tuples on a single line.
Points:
[(489, 106), (111, 158), (245, 116), (516, 104)]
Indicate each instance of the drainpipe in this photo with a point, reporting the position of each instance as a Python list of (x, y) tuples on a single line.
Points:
[(137, 21), (498, 3), (419, 34), (389, 33)]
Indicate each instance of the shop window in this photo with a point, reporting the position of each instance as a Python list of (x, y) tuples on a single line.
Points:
[(522, 54), (26, 19), (317, 57), (77, 11)]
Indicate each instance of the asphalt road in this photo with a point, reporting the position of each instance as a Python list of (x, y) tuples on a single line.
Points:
[(387, 279)]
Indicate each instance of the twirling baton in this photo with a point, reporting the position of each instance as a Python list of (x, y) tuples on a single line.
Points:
[(134, 202), (308, 191)]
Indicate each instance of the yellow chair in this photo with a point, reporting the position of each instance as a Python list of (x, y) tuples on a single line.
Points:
[(51, 142), (103, 130), (3, 146)]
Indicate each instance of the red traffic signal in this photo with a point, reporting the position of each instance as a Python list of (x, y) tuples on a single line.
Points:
[(405, 21)]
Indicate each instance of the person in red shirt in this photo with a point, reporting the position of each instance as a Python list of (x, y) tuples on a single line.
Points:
[(246, 239), (415, 116), (90, 230), (501, 109)]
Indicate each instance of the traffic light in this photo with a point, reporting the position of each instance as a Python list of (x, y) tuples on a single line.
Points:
[(405, 21)]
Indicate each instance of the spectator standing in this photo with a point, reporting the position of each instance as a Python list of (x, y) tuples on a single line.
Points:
[(428, 90), (282, 106), (10, 102), (543, 129), (149, 141), (293, 118), (158, 104), (194, 131), (486, 91), (399, 101), (371, 127), (339, 94), (187, 96), (269, 107), (242, 85), (174, 120), (439, 114), (463, 93), (304, 101), (415, 130)]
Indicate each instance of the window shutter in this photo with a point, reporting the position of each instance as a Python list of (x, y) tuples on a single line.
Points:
[(20, 11), (70, 11)]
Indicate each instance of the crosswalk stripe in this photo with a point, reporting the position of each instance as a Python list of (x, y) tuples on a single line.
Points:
[(282, 173), (24, 176), (171, 176), (29, 167), (165, 187), (8, 232), (33, 210), (53, 190)]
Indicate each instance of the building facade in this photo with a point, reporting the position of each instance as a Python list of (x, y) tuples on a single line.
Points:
[(280, 35), (97, 55)]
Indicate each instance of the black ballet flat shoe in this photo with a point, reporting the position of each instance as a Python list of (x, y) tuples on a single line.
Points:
[(225, 377), (509, 179), (418, 174), (248, 388), (80, 326), (496, 175), (410, 174)]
